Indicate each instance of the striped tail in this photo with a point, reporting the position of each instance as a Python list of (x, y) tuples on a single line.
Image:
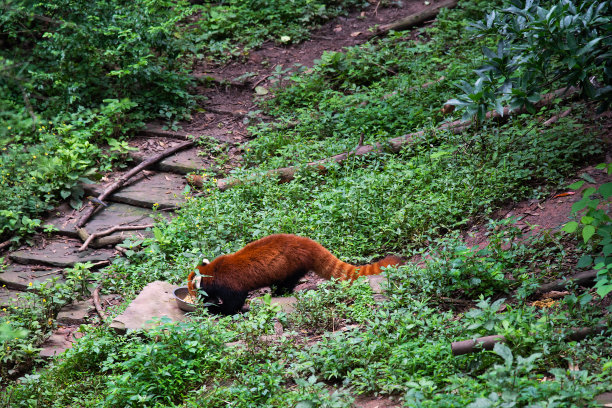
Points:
[(331, 267)]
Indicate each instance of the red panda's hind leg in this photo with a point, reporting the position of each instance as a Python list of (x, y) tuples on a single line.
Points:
[(288, 284)]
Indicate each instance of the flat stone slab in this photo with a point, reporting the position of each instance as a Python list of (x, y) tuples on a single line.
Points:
[(19, 277), (105, 218), (60, 341), (75, 313), (378, 284), (605, 399), (7, 295), (287, 304), (183, 162), (60, 253), (163, 189), (154, 301)]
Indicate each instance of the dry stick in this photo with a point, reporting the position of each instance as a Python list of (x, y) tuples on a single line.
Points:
[(581, 279), (123, 179), (415, 19), (96, 301), (470, 346), (556, 118), (6, 243), (110, 231), (394, 145)]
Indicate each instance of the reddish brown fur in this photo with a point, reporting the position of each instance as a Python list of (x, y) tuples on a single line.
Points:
[(279, 260)]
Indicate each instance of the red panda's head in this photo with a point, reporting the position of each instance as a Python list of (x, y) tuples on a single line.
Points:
[(194, 281)]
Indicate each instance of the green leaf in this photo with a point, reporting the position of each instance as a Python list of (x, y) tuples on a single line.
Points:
[(585, 261), (603, 290), (570, 227), (586, 220), (607, 250), (588, 192), (576, 185), (588, 232), (577, 206), (606, 190), (588, 178), (504, 352)]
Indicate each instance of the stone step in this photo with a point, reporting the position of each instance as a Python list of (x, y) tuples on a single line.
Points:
[(62, 253), (19, 277), (61, 340), (7, 296), (156, 300), (163, 189), (157, 130), (115, 214), (182, 162)]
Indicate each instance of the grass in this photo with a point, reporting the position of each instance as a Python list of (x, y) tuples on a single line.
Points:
[(413, 202)]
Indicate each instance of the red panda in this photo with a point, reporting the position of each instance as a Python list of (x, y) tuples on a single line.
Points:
[(276, 260)]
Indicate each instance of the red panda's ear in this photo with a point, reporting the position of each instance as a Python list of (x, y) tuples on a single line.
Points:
[(205, 262)]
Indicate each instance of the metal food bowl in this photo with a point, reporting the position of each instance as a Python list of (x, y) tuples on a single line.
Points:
[(179, 295)]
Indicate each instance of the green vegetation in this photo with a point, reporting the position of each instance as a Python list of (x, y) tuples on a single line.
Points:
[(414, 203), (78, 77)]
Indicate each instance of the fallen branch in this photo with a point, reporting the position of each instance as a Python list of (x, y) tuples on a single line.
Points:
[(6, 243), (123, 179), (415, 19), (96, 302), (586, 278), (394, 145), (110, 231), (556, 118), (470, 346)]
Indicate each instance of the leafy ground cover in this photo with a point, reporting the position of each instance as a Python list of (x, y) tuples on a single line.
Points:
[(412, 203), (78, 77)]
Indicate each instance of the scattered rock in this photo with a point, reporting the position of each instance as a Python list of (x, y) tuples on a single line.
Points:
[(183, 162), (154, 301), (75, 313), (378, 283), (287, 304), (60, 341), (605, 399), (162, 189), (60, 253), (114, 214), (7, 296), (19, 277)]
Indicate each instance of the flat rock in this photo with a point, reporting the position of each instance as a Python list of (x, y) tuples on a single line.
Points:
[(183, 162), (287, 304), (60, 341), (378, 283), (7, 295), (604, 399), (154, 301), (20, 276), (156, 130), (114, 214), (163, 189), (75, 313), (60, 253)]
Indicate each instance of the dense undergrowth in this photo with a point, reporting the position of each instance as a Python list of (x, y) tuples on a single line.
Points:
[(413, 203), (78, 77)]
